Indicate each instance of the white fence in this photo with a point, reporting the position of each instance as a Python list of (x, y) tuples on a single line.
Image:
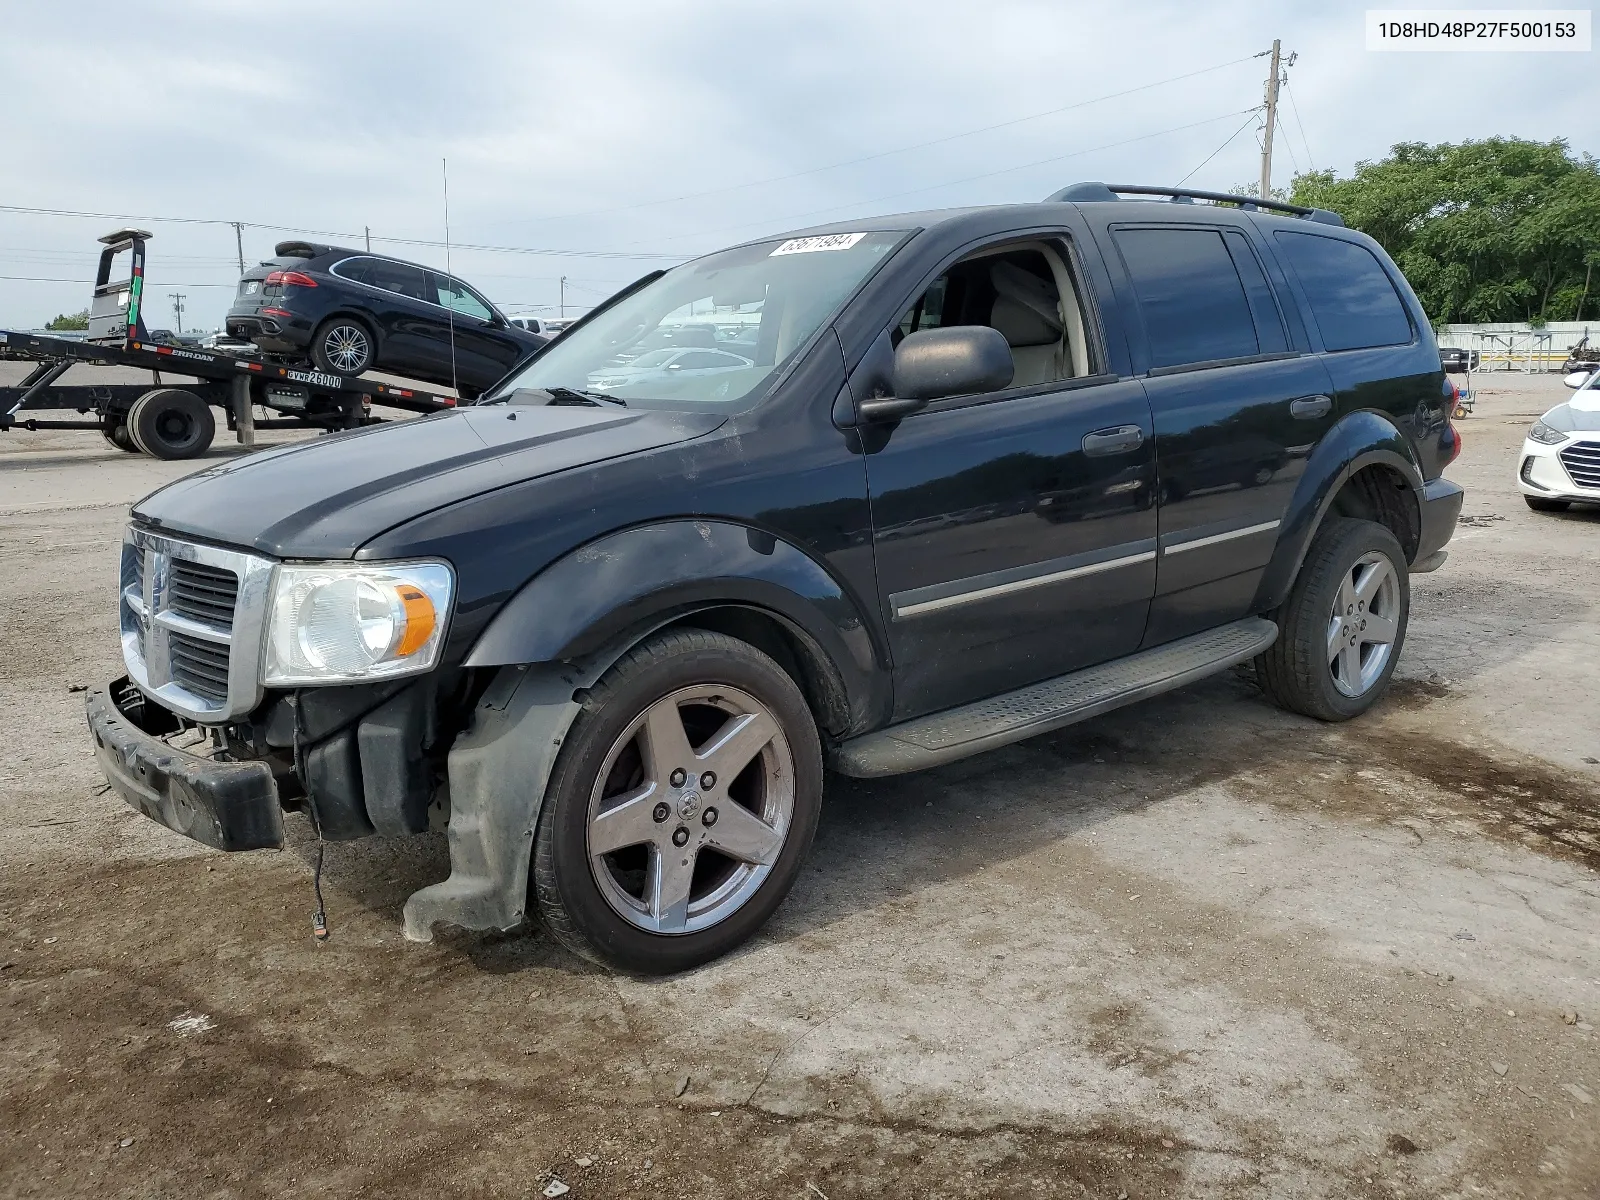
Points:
[(1518, 346)]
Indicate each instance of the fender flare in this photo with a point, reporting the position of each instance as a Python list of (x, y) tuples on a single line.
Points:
[(1358, 440), (624, 585)]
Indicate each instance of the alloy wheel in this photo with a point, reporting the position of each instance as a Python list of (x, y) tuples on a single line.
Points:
[(691, 809), (1364, 624), (347, 348)]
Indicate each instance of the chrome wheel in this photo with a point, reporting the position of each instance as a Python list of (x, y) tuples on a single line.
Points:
[(347, 348), (691, 809), (1364, 624)]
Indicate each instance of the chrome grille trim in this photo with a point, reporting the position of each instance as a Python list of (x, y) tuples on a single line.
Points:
[(176, 632), (1582, 461)]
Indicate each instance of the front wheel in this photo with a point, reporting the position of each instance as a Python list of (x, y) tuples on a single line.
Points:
[(1341, 630), (681, 807), (343, 346), (1540, 504)]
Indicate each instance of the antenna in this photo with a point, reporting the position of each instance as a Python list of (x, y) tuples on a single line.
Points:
[(444, 166)]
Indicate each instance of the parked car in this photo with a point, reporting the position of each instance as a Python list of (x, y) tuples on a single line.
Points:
[(1457, 361), (611, 639), (657, 368), (226, 344), (1560, 461), (549, 326), (349, 312)]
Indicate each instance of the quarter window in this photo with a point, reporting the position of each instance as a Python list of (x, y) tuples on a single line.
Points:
[(1351, 295), (1191, 296)]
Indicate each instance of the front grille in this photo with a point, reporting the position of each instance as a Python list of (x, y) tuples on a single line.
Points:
[(1582, 461), (191, 623), (204, 593), (199, 666)]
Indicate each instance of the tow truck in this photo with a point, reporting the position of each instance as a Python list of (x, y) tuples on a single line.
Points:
[(175, 421)]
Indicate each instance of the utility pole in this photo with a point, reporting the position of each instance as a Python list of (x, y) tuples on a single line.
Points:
[(177, 311), (563, 297), (238, 240), (1272, 116), (368, 228)]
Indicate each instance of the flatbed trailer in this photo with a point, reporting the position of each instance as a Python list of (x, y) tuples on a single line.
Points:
[(175, 420)]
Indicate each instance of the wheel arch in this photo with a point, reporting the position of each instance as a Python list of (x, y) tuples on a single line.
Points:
[(718, 575), (1363, 467), (367, 320)]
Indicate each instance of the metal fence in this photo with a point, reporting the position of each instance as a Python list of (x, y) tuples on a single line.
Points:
[(1517, 347)]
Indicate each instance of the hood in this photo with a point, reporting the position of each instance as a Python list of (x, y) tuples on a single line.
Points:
[(1581, 414), (324, 499)]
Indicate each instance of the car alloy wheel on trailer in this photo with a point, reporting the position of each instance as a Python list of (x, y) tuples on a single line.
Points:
[(342, 347), (171, 423)]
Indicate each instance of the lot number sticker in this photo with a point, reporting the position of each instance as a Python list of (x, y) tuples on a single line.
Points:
[(814, 245)]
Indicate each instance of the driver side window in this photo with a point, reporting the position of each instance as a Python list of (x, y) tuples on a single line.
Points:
[(1024, 290)]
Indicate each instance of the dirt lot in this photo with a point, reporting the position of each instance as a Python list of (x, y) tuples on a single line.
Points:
[(1197, 948)]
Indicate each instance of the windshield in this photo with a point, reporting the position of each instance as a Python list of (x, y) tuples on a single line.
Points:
[(711, 332)]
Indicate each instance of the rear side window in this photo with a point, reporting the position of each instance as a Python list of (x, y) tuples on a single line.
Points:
[(1190, 294), (1351, 297), (401, 278)]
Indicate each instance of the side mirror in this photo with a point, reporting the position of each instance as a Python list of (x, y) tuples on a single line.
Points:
[(1576, 379), (963, 360)]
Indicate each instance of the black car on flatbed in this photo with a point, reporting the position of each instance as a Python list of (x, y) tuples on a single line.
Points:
[(981, 473), (352, 311)]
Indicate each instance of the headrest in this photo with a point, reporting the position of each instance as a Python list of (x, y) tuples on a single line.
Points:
[(1025, 308)]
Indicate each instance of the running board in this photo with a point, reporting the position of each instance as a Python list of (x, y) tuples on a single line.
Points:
[(1000, 720)]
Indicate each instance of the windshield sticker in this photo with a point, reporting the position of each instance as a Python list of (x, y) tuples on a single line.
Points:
[(814, 245)]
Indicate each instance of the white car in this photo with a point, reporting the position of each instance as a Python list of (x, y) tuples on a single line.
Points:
[(1560, 460), (659, 366)]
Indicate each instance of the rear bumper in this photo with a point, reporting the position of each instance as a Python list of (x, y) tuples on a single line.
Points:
[(228, 805), (278, 335), (1440, 506)]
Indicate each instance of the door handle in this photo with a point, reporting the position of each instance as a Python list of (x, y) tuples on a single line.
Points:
[(1117, 440), (1309, 408)]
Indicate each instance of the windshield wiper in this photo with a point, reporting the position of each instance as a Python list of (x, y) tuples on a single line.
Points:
[(566, 395), (558, 396)]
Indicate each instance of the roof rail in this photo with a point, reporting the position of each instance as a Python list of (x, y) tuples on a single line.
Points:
[(1093, 193)]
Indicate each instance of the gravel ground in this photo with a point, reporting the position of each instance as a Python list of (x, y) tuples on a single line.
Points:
[(1195, 948)]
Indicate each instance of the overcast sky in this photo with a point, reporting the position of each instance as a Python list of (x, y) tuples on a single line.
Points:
[(663, 128)]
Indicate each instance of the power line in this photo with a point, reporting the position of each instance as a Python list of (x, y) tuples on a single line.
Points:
[(771, 222), (938, 141), (1254, 112), (1295, 108), (398, 241)]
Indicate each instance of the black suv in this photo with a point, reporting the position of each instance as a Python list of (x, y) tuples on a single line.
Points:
[(350, 311), (981, 473)]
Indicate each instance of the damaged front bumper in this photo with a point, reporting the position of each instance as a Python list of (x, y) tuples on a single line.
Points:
[(228, 805)]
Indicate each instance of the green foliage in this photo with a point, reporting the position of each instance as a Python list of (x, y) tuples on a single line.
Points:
[(77, 320), (1498, 230)]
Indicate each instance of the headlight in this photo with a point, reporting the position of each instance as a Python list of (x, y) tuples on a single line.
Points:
[(348, 622), (1545, 435)]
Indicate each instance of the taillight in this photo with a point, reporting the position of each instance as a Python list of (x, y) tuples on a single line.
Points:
[(1452, 450), (290, 279), (1450, 439)]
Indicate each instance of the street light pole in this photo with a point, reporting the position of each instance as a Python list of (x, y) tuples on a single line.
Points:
[(563, 297)]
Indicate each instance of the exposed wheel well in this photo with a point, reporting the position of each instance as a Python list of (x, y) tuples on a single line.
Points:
[(791, 649), (1382, 494)]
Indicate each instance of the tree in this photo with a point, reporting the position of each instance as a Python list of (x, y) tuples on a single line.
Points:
[(77, 320), (1496, 230)]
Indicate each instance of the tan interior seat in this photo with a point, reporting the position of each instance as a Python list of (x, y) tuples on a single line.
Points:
[(1027, 312)]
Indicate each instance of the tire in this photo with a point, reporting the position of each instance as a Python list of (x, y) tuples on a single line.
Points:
[(630, 908), (1460, 412), (171, 423), (343, 346), (1540, 504), (117, 434), (1341, 630)]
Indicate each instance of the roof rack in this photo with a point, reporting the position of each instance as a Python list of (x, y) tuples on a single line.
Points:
[(1092, 193)]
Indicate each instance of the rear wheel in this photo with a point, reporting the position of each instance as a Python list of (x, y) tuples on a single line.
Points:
[(343, 346), (681, 807), (1540, 504), (1341, 630), (171, 423)]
